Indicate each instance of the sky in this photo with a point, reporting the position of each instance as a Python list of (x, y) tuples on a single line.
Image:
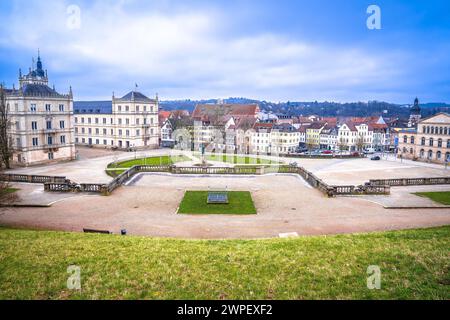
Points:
[(263, 49)]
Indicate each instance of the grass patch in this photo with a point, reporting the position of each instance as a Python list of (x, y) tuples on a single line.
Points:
[(414, 265), (195, 202), (441, 197), (150, 161), (236, 159), (9, 190)]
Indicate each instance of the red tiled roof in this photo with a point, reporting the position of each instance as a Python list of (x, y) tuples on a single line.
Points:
[(226, 109)]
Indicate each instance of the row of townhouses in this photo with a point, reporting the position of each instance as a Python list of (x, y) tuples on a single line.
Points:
[(47, 126)]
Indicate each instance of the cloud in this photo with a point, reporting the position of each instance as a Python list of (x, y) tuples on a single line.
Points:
[(188, 53)]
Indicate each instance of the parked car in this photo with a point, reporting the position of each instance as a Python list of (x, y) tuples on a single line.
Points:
[(327, 152), (376, 158), (355, 154)]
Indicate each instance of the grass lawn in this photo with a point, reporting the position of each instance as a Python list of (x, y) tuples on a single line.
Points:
[(414, 265), (235, 159), (9, 190), (152, 161), (195, 202), (441, 197)]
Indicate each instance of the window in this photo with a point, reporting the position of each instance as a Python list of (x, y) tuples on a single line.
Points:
[(104, 132), (127, 121), (127, 108), (62, 139), (96, 120), (76, 130), (448, 144), (104, 142), (48, 107), (119, 108), (90, 130), (405, 139), (430, 154), (33, 107), (76, 120), (137, 121), (412, 139), (49, 125), (120, 121), (89, 120), (423, 141), (33, 125), (97, 141), (431, 142), (439, 143), (138, 132), (49, 140), (97, 131), (61, 108), (438, 155), (120, 132), (61, 124), (128, 133), (35, 142), (82, 120), (104, 120), (50, 156)]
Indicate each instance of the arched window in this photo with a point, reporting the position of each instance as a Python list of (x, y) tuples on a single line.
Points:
[(423, 141), (428, 129), (441, 130), (448, 143), (405, 139), (431, 142), (447, 156), (439, 143), (412, 139), (424, 129), (430, 154), (432, 130), (422, 153), (438, 155)]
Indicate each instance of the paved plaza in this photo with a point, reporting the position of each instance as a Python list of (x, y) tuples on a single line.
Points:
[(286, 204)]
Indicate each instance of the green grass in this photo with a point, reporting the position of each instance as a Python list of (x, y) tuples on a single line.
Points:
[(151, 161), (9, 190), (414, 265), (235, 159), (195, 202), (441, 197)]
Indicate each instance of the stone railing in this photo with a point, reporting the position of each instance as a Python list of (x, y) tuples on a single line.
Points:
[(409, 181), (313, 180), (14, 177)]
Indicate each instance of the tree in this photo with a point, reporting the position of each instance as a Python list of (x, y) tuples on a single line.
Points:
[(5, 141), (360, 143), (342, 145)]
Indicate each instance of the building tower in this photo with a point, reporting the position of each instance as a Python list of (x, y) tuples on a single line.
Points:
[(414, 116)]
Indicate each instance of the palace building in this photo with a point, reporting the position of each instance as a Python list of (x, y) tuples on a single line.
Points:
[(41, 120), (429, 142), (130, 122)]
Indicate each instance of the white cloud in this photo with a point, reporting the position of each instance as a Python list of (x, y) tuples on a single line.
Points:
[(185, 54)]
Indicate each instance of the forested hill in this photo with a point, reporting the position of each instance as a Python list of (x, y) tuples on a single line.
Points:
[(327, 109)]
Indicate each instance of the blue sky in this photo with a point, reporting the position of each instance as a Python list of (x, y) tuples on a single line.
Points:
[(264, 49)]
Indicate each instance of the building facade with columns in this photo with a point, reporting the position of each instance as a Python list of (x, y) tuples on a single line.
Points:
[(430, 142), (41, 120), (129, 122)]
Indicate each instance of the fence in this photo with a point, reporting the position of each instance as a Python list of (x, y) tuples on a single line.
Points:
[(409, 181), (13, 177), (373, 187)]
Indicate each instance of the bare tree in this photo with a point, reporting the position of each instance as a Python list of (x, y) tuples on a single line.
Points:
[(5, 141)]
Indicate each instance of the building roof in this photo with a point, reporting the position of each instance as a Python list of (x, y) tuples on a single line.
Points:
[(94, 107), (135, 96), (204, 111)]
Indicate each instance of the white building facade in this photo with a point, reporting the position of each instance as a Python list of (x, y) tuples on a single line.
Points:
[(130, 122), (41, 120)]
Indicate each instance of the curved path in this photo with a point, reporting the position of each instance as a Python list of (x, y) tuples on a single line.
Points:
[(285, 204)]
